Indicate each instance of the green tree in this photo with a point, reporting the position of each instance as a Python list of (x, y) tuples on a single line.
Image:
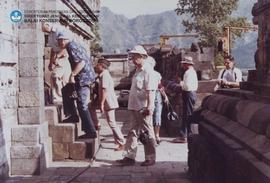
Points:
[(95, 43), (209, 17)]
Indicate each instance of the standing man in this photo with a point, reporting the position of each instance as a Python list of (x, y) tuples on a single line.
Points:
[(82, 75), (141, 104), (189, 87), (58, 65), (108, 101), (230, 77)]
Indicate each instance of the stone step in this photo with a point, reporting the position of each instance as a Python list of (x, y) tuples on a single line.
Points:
[(79, 150), (20, 156), (67, 147), (62, 133), (52, 115)]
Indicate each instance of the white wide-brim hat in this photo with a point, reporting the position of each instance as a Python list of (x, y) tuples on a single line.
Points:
[(139, 50), (187, 60)]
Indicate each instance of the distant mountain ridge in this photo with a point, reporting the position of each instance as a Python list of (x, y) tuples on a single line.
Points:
[(120, 33)]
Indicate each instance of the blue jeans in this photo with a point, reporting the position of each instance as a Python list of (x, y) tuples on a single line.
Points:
[(157, 109), (189, 99), (83, 93)]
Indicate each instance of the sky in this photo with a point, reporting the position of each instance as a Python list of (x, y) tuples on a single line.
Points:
[(133, 8)]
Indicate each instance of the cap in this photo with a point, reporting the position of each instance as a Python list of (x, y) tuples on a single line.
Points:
[(105, 62), (187, 60), (63, 35)]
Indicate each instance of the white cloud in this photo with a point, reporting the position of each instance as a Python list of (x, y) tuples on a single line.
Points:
[(133, 8)]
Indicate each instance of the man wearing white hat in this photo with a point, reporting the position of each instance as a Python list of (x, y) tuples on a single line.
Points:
[(189, 87), (82, 75), (141, 104)]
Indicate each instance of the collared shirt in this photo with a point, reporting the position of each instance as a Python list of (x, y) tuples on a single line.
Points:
[(142, 81), (76, 54), (106, 82), (231, 75), (190, 80)]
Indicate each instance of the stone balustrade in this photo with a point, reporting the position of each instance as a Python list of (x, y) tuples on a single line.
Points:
[(233, 144)]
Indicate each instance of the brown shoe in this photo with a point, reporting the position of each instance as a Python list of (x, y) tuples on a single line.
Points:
[(120, 147), (126, 161), (148, 163), (180, 140)]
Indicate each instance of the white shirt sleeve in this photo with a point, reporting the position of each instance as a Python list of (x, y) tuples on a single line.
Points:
[(238, 73), (105, 79), (150, 80)]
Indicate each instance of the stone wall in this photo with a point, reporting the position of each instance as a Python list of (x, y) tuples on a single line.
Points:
[(8, 83), (25, 147)]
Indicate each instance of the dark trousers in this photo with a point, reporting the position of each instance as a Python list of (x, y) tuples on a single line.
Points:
[(189, 99), (83, 93)]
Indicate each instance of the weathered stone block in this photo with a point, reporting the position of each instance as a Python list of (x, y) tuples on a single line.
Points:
[(25, 152), (31, 115), (31, 67), (32, 50), (3, 157), (231, 127), (25, 166), (245, 109), (31, 99), (51, 115), (206, 86), (257, 143), (4, 169), (36, 36), (62, 133), (31, 84), (31, 5), (79, 150), (214, 101), (244, 135), (24, 136), (60, 151), (9, 43)]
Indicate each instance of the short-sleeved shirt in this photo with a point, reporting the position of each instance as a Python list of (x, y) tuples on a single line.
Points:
[(76, 54), (106, 82), (231, 75), (190, 80), (142, 81)]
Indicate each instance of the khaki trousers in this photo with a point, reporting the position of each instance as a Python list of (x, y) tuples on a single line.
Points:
[(141, 123), (110, 117)]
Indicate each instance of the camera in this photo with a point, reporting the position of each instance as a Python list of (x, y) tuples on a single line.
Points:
[(143, 137)]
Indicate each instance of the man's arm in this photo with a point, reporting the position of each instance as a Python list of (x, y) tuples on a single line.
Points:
[(78, 67), (52, 60), (166, 99), (232, 84), (103, 98)]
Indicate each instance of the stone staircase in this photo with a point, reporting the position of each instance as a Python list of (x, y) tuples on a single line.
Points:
[(66, 146)]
